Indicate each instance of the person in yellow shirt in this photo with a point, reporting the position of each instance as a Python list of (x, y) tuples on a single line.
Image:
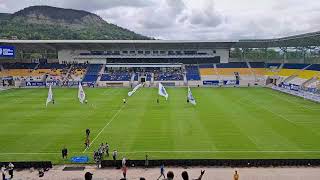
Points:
[(236, 175)]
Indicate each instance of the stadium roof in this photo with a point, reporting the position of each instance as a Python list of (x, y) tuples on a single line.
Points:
[(303, 40), (122, 44)]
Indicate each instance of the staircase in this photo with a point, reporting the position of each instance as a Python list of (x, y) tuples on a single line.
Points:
[(290, 78), (103, 69), (252, 72), (281, 66), (132, 78), (296, 74), (152, 78), (216, 71), (185, 79), (198, 69), (68, 74), (37, 66), (309, 81), (101, 72)]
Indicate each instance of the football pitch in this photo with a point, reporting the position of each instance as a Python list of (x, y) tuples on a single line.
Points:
[(228, 123)]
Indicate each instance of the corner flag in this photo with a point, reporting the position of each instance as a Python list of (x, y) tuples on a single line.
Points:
[(190, 97), (50, 96), (162, 91), (134, 90), (81, 94)]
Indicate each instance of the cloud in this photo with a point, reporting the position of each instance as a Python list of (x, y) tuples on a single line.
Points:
[(203, 14), (197, 19), (94, 5)]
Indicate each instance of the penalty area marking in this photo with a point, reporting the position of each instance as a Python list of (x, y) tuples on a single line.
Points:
[(113, 117), (137, 152)]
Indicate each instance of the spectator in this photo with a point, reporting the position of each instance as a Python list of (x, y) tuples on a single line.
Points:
[(88, 176), (170, 175), (185, 175), (124, 171), (162, 172), (142, 178), (236, 175), (10, 167), (41, 172), (3, 172)]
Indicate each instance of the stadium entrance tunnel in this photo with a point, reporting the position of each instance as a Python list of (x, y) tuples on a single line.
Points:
[(217, 163)]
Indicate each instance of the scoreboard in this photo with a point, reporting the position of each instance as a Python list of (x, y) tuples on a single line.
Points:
[(7, 51)]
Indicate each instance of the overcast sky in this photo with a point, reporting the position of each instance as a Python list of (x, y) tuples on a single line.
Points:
[(197, 19)]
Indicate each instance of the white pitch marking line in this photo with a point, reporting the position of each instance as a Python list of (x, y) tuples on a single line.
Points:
[(266, 108), (113, 117), (293, 102)]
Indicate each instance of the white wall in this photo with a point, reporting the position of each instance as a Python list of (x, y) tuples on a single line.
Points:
[(65, 55), (224, 55), (72, 56)]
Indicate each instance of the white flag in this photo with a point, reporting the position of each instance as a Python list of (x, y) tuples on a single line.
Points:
[(190, 97), (81, 94), (134, 90), (50, 96), (162, 91)]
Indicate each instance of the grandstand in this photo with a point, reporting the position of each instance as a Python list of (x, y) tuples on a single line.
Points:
[(122, 63), (244, 127)]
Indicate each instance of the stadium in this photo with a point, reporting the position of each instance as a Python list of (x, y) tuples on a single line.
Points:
[(81, 97), (245, 112)]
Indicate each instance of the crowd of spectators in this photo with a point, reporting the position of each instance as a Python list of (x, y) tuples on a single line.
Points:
[(160, 74)]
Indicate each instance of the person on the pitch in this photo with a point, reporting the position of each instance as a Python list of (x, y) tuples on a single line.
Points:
[(114, 155), (158, 101), (88, 132), (124, 100), (107, 149), (64, 153), (87, 142)]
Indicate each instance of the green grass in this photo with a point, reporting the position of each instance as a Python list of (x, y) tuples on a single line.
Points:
[(226, 123)]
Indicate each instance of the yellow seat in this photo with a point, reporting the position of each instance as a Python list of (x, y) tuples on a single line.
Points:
[(15, 72), (308, 74), (288, 72), (231, 71), (207, 71), (259, 71)]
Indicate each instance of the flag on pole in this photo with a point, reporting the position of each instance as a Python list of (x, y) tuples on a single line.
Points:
[(190, 97), (81, 94), (162, 91), (50, 96), (134, 90)]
